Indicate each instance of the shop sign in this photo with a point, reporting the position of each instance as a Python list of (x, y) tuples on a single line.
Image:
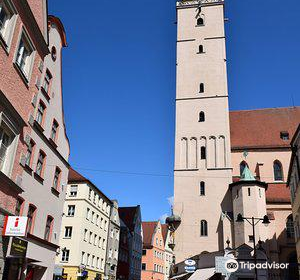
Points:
[(14, 226), (18, 247)]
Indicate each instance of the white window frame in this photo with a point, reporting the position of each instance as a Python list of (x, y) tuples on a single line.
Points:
[(10, 23), (68, 232), (27, 71), (12, 148)]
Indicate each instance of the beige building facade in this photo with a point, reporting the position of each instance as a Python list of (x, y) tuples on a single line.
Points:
[(213, 147), (202, 141), (84, 231)]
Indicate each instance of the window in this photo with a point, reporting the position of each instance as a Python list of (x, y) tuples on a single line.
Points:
[(54, 130), (249, 192), (71, 210), (31, 216), (103, 244), (29, 152), (7, 20), (251, 238), (105, 225), (202, 188), (40, 164), (97, 220), (88, 259), (95, 239), (87, 214), (201, 116), (68, 232), (56, 179), (53, 53), (90, 237), (201, 88), (284, 135), (290, 233), (203, 228), (85, 237), (92, 218), (48, 229), (6, 140), (200, 21), (47, 81), (143, 266), (201, 49), (203, 152), (278, 174), (83, 258), (144, 252), (90, 194), (73, 190), (243, 164), (40, 113), (65, 255), (24, 56), (93, 260), (19, 206)]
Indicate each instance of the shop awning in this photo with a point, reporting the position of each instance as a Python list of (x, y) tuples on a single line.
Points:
[(203, 274), (178, 277)]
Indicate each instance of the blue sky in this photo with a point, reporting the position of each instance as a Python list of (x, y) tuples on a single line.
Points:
[(119, 85)]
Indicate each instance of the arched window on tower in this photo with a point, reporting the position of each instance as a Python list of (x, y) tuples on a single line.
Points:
[(290, 227), (200, 21), (201, 49), (278, 173), (202, 188), (201, 117), (243, 164), (203, 152), (201, 88), (203, 229)]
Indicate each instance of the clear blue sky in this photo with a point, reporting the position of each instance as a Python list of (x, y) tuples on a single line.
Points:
[(119, 85)]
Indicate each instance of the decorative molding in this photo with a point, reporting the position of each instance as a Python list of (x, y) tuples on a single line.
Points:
[(197, 3)]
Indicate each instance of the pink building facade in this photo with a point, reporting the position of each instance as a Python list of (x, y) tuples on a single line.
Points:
[(34, 148), (153, 265)]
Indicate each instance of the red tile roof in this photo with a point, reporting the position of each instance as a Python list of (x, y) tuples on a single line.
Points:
[(261, 128), (148, 231), (278, 193), (74, 176), (127, 215)]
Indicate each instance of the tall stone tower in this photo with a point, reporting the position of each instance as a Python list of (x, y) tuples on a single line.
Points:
[(202, 149)]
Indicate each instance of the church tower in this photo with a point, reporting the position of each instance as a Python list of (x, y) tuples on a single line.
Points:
[(202, 149)]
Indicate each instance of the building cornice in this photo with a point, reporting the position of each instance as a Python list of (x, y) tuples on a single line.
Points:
[(197, 3)]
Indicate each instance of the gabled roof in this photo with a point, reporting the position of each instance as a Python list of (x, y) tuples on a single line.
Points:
[(127, 215), (76, 177), (148, 231), (261, 128)]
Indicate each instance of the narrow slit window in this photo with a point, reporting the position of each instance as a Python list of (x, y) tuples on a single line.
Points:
[(202, 188), (201, 88), (203, 152), (201, 116)]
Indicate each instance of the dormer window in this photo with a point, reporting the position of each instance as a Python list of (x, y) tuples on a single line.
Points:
[(284, 135)]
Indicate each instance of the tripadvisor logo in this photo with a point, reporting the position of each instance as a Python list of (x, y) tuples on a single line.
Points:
[(231, 265)]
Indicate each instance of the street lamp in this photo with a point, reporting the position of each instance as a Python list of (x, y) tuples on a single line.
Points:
[(253, 222)]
